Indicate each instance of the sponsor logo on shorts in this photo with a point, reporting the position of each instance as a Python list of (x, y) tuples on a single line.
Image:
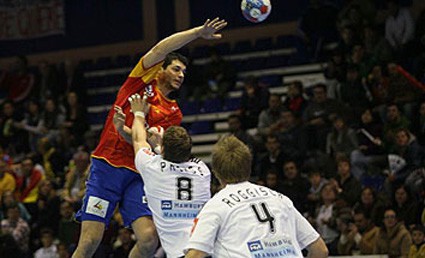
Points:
[(166, 205), (255, 246), (97, 206)]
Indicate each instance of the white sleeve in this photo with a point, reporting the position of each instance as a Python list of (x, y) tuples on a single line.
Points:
[(205, 230), (306, 234), (143, 158)]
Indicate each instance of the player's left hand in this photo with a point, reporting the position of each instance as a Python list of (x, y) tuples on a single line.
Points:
[(139, 103), (211, 27), (119, 117)]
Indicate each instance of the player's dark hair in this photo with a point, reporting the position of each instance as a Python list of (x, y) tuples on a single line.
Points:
[(174, 56), (177, 144)]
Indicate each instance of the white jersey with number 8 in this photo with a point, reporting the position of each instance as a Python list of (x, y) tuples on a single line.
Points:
[(175, 192)]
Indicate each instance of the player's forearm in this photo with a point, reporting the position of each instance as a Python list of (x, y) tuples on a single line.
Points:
[(138, 133), (125, 132), (317, 249), (169, 44)]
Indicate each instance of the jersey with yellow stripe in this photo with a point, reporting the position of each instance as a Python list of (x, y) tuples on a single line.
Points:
[(164, 112)]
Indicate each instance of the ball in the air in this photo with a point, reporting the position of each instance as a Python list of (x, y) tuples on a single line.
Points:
[(256, 10)]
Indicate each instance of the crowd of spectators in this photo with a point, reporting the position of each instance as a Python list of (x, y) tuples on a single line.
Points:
[(349, 152)]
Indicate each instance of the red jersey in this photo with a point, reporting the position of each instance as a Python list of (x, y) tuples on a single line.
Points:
[(164, 112)]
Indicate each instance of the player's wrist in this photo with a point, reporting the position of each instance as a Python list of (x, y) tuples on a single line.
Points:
[(139, 114)]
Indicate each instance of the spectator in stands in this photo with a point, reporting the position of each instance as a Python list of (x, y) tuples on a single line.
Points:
[(317, 182), (335, 72), (403, 89), (52, 160), (11, 137), (7, 199), (273, 159), (418, 123), (236, 128), (353, 92), (295, 100), (268, 120), (323, 220), (72, 80), (48, 249), (371, 203), (63, 251), (347, 229), (406, 206), (342, 140), (75, 179), (75, 119), (376, 47), (417, 249), (52, 119), (347, 186), (292, 136), (295, 186), (69, 229), (370, 152), (27, 185), (272, 181), (254, 100), (126, 242), (17, 227), (365, 232), (48, 82), (393, 238), (399, 26), (18, 81), (48, 204), (220, 75), (378, 83), (394, 121), (318, 115), (348, 38), (7, 181), (32, 123), (410, 154)]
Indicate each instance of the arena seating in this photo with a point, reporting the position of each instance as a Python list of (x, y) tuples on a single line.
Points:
[(207, 121)]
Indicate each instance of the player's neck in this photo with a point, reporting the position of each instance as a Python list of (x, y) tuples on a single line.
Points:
[(164, 88)]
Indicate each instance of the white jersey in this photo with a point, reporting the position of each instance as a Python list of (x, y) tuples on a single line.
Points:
[(175, 194), (248, 220)]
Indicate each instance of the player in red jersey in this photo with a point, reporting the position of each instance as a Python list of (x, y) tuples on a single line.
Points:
[(113, 178)]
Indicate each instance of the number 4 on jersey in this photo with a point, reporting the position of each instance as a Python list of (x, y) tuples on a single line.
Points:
[(265, 216)]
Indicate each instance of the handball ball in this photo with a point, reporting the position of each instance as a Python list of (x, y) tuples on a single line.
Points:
[(256, 10)]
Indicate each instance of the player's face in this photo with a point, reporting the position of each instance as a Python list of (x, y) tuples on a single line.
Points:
[(174, 74)]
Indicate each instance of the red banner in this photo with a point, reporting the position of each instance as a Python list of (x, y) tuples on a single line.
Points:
[(31, 19)]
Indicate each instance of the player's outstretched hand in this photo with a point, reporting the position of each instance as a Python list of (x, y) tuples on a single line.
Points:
[(119, 118), (211, 27), (138, 103)]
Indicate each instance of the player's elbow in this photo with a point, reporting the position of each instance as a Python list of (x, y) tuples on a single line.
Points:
[(318, 249)]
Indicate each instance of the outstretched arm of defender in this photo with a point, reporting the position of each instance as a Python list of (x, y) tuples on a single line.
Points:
[(140, 108), (177, 40)]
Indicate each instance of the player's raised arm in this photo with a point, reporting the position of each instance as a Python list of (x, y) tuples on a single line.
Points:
[(207, 31), (140, 108)]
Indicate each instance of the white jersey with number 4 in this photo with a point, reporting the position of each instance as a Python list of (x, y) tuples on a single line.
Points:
[(175, 192), (248, 220)]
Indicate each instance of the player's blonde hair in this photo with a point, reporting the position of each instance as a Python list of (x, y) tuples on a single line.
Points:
[(176, 144), (231, 160)]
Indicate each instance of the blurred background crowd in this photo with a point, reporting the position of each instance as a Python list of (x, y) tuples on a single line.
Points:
[(348, 151)]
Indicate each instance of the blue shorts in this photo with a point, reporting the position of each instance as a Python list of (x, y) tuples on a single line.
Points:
[(108, 186)]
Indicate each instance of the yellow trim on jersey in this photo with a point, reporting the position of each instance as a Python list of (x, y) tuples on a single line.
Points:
[(147, 74), (115, 166)]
